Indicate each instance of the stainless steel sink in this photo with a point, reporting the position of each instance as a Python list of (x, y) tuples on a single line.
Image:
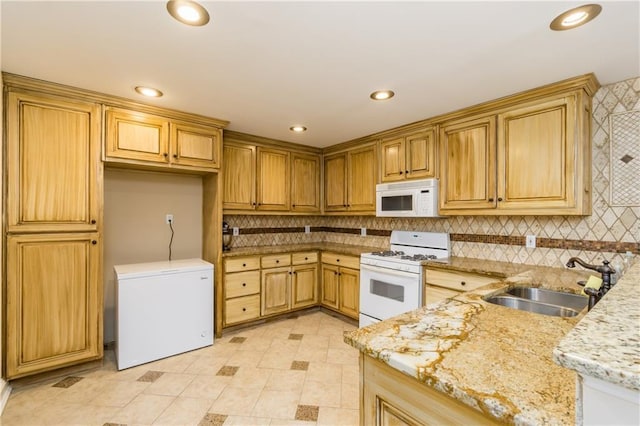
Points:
[(551, 297), (541, 301)]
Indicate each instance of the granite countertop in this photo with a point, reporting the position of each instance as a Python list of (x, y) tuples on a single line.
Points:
[(606, 343), (495, 359), (334, 247)]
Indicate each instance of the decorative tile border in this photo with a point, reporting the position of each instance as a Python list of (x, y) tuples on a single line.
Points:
[(512, 240)]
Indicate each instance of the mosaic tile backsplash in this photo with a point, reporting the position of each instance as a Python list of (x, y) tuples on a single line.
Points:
[(612, 229)]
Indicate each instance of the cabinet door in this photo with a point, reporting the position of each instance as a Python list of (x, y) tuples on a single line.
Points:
[(54, 301), (537, 156), (330, 280), (361, 179), (273, 179), (420, 151), (467, 172), (197, 146), (276, 285), (304, 285), (349, 294), (239, 179), (335, 182), (305, 183), (392, 161), (136, 136), (54, 172)]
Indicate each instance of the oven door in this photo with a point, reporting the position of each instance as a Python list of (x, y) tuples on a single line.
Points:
[(385, 293)]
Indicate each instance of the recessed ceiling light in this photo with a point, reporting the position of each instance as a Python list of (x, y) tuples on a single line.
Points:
[(298, 129), (148, 91), (382, 95), (188, 12), (575, 17)]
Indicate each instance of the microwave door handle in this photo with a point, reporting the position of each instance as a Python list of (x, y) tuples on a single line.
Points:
[(387, 271)]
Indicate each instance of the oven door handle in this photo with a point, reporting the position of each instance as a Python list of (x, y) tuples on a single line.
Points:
[(387, 271)]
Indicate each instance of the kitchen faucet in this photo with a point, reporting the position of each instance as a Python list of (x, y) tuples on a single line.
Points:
[(605, 271)]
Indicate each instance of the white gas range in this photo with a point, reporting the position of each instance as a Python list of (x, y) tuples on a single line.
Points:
[(391, 281)]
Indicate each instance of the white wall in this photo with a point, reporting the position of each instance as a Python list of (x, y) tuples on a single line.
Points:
[(135, 205)]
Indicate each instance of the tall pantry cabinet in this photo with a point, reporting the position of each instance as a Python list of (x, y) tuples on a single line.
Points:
[(53, 225)]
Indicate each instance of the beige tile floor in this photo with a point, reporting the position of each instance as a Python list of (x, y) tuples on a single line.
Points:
[(294, 371)]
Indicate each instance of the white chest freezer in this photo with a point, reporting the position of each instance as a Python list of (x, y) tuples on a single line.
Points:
[(162, 309)]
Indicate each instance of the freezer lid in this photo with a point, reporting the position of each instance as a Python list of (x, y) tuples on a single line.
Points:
[(139, 270)]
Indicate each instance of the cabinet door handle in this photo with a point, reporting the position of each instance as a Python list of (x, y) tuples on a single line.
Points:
[(491, 199), (93, 221), (401, 172), (335, 273), (165, 155), (406, 171), (253, 203), (499, 198), (339, 273), (94, 242), (290, 272), (175, 155), (294, 206)]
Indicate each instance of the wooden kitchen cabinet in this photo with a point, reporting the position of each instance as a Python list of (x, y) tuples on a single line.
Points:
[(341, 283), (239, 176), (273, 179), (304, 283), (135, 137), (305, 182), (389, 397), (350, 180), (53, 168), (241, 289), (530, 158), (53, 219), (265, 176), (276, 290), (410, 156), (54, 301), (440, 285)]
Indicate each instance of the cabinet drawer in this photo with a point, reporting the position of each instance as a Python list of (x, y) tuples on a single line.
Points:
[(433, 294), (276, 260), (238, 264), (302, 258), (341, 260), (459, 281), (241, 284), (241, 309)]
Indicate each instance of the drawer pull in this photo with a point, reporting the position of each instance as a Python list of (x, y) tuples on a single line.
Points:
[(337, 260), (93, 221), (244, 265), (94, 242), (277, 261), (463, 283), (244, 309), (306, 258), (244, 284)]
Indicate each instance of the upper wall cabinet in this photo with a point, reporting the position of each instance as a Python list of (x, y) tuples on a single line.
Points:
[(410, 156), (530, 159), (350, 180), (264, 179), (149, 140), (53, 164)]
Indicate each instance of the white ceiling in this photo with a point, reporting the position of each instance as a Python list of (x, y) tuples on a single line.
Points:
[(265, 66)]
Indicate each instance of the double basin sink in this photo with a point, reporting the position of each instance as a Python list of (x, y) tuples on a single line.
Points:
[(541, 301)]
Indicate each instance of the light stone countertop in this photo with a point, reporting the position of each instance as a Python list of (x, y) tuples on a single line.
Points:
[(495, 359), (606, 343)]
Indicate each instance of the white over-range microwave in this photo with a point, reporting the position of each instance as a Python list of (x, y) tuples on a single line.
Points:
[(412, 198)]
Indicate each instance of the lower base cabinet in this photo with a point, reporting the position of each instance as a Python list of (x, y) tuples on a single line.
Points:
[(341, 283), (53, 302), (393, 398), (440, 285)]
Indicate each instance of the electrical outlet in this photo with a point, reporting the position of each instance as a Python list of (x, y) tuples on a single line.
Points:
[(531, 241), (363, 231), (307, 229), (169, 219), (236, 231)]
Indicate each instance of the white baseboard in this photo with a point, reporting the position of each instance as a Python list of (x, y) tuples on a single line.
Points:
[(4, 394)]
